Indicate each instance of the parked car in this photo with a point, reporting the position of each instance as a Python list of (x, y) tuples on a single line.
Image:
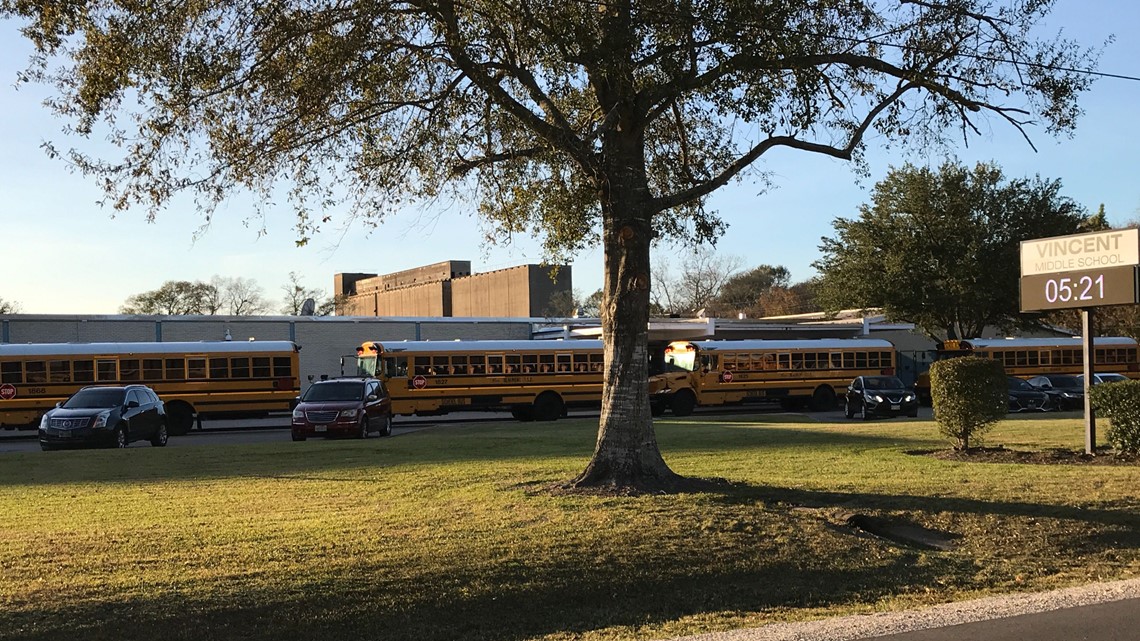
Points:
[(1024, 397), (343, 407), (105, 416), (870, 396), (1066, 392), (1104, 378)]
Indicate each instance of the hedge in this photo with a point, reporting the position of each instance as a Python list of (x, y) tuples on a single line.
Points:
[(969, 395)]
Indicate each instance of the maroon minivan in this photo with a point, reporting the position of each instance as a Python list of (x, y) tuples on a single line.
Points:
[(343, 407)]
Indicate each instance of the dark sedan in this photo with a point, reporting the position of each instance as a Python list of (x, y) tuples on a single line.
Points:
[(870, 396), (1066, 392), (1023, 397), (105, 416)]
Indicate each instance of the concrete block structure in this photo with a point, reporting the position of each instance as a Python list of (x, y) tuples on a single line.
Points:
[(449, 289)]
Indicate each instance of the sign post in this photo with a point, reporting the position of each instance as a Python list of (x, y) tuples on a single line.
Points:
[(1082, 271)]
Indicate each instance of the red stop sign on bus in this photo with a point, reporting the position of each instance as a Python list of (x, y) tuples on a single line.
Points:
[(7, 391), (726, 377), (419, 382)]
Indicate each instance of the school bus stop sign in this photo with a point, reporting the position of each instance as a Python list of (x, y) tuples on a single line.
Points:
[(7, 391), (1082, 270)]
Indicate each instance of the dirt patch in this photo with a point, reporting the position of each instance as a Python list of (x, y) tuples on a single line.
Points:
[(1042, 457)]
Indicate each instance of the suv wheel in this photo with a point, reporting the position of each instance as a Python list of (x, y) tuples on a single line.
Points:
[(363, 428), (160, 436), (386, 429)]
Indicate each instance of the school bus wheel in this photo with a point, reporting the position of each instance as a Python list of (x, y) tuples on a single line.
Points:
[(180, 417), (683, 403), (548, 407)]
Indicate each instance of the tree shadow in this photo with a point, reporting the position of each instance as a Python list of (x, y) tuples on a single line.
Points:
[(532, 602), (336, 457)]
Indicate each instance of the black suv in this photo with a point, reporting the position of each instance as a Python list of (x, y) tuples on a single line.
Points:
[(1066, 392), (870, 396), (343, 407), (105, 416)]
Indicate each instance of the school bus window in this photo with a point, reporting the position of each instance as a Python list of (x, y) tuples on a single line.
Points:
[(546, 363), (175, 369), (83, 371), (597, 362), (35, 372), (152, 369), (282, 367), (196, 368), (565, 363), (476, 363), (239, 367), (459, 365), (495, 364), (514, 362), (261, 367), (860, 360), (530, 362), (106, 370), (440, 365), (59, 371), (422, 365), (129, 369), (11, 373), (219, 368), (848, 360)]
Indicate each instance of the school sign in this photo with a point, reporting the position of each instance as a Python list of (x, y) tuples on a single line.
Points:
[(1082, 270)]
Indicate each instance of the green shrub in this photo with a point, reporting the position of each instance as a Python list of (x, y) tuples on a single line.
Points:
[(1120, 403), (969, 394)]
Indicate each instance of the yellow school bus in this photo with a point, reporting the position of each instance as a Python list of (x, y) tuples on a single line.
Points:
[(533, 380), (795, 373), (1029, 357), (193, 379)]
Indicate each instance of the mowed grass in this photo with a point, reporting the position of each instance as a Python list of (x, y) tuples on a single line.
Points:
[(450, 533)]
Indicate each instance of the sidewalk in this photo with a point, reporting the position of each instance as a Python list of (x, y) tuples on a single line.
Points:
[(866, 626)]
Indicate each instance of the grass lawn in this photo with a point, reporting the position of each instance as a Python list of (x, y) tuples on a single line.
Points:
[(448, 533)]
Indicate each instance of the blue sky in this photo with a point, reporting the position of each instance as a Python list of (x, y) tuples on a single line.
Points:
[(62, 253)]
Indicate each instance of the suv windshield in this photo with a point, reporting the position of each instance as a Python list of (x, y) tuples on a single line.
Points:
[(91, 398), (883, 382), (346, 391), (1064, 381), (1019, 384)]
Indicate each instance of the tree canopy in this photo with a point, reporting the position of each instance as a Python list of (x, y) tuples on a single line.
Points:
[(9, 307), (577, 122), (939, 247), (743, 292), (235, 296)]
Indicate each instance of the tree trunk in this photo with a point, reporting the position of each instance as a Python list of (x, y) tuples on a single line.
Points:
[(626, 454)]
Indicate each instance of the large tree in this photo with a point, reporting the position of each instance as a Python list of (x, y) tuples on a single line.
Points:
[(175, 297), (939, 247), (9, 307), (579, 122), (694, 288), (742, 292)]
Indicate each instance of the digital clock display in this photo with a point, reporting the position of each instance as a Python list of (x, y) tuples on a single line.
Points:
[(1090, 288)]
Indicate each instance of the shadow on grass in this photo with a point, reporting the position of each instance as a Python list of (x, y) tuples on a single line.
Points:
[(337, 458), (1124, 517), (531, 603)]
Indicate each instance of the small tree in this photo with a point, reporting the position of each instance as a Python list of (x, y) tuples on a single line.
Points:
[(1120, 403), (970, 394)]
